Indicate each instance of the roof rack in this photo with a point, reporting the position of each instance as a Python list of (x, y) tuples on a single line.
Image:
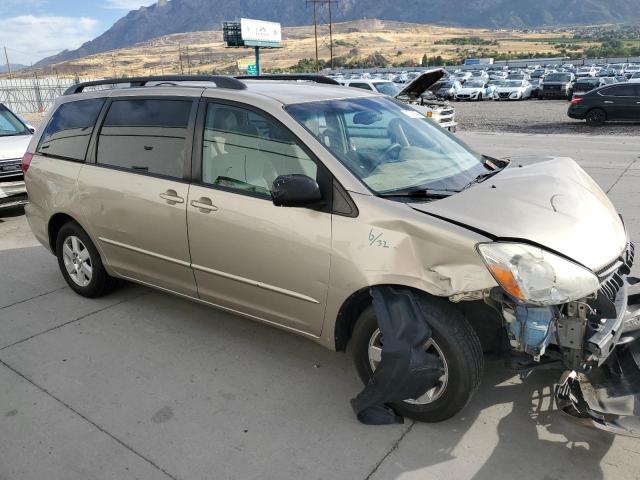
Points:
[(294, 77), (221, 81)]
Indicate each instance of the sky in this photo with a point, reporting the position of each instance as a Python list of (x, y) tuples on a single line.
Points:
[(34, 29)]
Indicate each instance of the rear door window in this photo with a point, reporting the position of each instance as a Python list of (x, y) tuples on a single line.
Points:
[(68, 133), (146, 136)]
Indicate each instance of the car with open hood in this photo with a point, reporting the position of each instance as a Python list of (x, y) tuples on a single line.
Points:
[(513, 90), (412, 93), (344, 216), (15, 136)]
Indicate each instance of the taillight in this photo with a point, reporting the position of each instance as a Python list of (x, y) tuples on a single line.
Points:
[(26, 161), (576, 100)]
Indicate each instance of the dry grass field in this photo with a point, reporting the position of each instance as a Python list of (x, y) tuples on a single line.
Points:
[(205, 52)]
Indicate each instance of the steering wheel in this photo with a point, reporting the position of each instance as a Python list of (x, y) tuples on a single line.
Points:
[(392, 151)]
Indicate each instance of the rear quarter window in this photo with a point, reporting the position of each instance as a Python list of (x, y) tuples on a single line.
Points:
[(68, 132)]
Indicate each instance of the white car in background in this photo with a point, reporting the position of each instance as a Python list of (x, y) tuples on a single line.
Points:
[(476, 90), (15, 136), (513, 90), (631, 70), (385, 87), (586, 72)]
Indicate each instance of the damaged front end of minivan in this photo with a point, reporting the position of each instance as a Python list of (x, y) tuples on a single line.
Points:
[(596, 337), (557, 303)]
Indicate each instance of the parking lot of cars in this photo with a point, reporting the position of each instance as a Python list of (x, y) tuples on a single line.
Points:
[(494, 82)]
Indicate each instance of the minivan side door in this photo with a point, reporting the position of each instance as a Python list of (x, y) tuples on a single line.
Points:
[(249, 256), (134, 192)]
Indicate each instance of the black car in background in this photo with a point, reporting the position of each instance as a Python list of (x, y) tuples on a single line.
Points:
[(620, 101), (586, 84)]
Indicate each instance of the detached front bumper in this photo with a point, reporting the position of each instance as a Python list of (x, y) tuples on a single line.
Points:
[(608, 396), (12, 194)]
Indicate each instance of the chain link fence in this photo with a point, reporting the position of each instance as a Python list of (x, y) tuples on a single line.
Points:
[(32, 95)]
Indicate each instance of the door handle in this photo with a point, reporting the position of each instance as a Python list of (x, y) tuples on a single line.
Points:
[(171, 196), (204, 204), (607, 101)]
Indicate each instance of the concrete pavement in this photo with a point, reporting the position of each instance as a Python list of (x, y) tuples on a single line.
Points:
[(141, 384)]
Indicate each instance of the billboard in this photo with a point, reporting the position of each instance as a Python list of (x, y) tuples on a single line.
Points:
[(258, 33), (478, 61)]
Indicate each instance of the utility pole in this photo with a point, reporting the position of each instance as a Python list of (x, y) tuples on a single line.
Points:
[(315, 32), (180, 59), (113, 65), (330, 34), (8, 64), (315, 28)]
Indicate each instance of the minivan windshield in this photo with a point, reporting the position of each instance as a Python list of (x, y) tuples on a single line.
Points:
[(10, 125), (389, 146)]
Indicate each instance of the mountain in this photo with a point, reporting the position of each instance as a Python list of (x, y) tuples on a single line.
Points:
[(176, 16), (14, 67)]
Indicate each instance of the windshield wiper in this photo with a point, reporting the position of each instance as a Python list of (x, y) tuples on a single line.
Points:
[(421, 193), (483, 176)]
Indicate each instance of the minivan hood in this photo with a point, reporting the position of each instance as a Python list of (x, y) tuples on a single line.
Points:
[(553, 203), (13, 146)]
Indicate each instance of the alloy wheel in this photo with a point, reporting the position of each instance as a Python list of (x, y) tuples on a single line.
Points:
[(77, 261)]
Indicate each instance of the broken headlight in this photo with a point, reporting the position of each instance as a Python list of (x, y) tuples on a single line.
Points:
[(534, 276)]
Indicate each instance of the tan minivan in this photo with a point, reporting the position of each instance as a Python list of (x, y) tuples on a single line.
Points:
[(289, 201)]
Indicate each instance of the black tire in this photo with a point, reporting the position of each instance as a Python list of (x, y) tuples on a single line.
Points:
[(100, 282), (596, 117), (479, 97), (460, 347)]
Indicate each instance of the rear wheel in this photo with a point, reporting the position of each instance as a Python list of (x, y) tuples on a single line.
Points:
[(595, 117), (80, 262), (454, 341), (479, 97)]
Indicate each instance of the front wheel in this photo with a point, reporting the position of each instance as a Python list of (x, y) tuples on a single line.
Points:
[(453, 340), (80, 262), (596, 117)]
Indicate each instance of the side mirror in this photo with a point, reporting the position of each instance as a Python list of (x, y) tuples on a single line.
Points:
[(295, 190)]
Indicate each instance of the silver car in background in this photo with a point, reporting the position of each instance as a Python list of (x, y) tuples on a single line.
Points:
[(15, 136)]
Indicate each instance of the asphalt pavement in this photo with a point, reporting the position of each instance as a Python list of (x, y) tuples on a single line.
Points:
[(141, 384)]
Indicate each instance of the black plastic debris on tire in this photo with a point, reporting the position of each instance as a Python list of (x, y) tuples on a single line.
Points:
[(406, 370)]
